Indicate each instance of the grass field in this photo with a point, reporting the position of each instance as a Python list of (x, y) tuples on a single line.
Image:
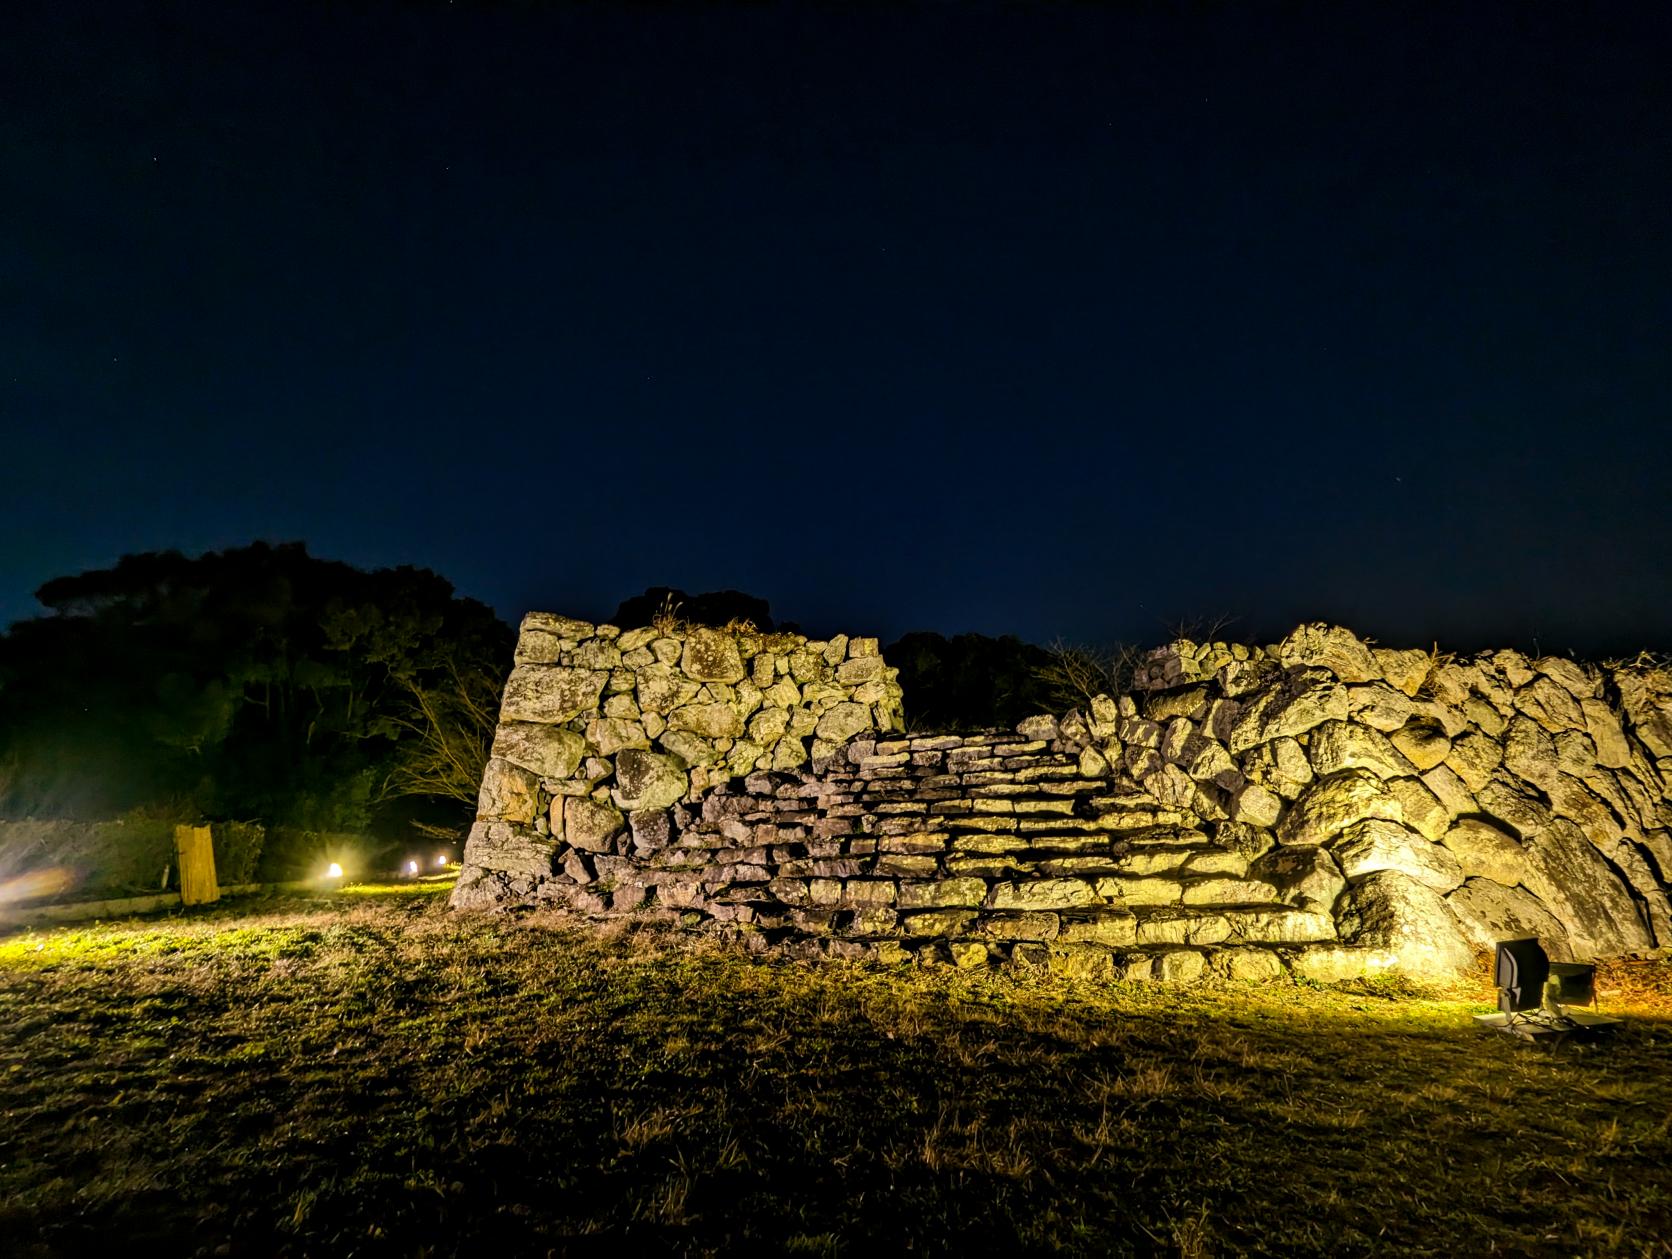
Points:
[(366, 1074)]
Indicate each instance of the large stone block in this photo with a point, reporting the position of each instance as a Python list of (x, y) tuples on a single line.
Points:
[(687, 749), (1250, 965), (1280, 765), (1339, 745), (1422, 742), (1485, 850), (1377, 844), (711, 655), (1489, 912), (590, 825), (1421, 809), (1330, 805), (1588, 895), (509, 793), (1408, 921), (859, 670), (1333, 963), (549, 751), (1406, 669), (1450, 791), (943, 894), (1257, 806), (1181, 927), (608, 735), (1550, 705), (1307, 878), (1081, 961), (938, 922), (1330, 647), (843, 721), (1303, 700), (1217, 891), (1272, 925), (1379, 706), (711, 721), (507, 848), (1530, 752), (479, 889), (646, 780), (1139, 891), (551, 693), (661, 689), (1475, 758), (1179, 966), (1607, 735), (652, 828), (1105, 926)]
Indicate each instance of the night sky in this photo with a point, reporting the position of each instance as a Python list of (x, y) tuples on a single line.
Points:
[(1050, 320)]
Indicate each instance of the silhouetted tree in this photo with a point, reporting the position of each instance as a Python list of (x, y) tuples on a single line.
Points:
[(257, 682)]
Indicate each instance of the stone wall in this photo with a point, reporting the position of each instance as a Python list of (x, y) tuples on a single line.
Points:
[(1320, 806), (601, 733)]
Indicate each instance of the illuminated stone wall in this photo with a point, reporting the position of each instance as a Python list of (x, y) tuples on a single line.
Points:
[(1320, 807), (602, 733)]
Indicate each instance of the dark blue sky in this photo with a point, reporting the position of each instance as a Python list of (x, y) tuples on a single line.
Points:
[(1052, 320)]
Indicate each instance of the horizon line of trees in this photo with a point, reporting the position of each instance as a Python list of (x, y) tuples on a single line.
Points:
[(262, 683)]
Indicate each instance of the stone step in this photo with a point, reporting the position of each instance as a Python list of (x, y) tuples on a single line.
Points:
[(1266, 926)]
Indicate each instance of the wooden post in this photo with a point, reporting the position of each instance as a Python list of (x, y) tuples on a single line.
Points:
[(195, 852)]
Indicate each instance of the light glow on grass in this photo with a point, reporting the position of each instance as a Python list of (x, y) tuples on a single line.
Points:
[(1133, 1092), (423, 885)]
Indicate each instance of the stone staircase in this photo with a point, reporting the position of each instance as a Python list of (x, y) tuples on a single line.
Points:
[(969, 849)]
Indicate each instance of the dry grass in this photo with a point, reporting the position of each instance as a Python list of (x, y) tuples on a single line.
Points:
[(373, 1075)]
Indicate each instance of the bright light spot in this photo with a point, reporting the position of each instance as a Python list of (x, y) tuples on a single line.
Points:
[(441, 860), (34, 884), (334, 871), (412, 867)]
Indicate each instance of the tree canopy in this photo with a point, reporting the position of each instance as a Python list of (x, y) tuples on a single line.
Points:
[(256, 682)]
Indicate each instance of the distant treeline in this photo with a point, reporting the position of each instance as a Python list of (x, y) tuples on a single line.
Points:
[(263, 683), (257, 683)]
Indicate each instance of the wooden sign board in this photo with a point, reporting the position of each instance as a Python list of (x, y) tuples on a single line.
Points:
[(195, 851)]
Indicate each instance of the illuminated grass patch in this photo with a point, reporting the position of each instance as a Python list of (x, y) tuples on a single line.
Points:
[(370, 1073)]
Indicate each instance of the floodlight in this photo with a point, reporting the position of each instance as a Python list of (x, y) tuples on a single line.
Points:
[(441, 860), (1573, 983), (412, 868), (1533, 993), (1522, 971), (333, 871)]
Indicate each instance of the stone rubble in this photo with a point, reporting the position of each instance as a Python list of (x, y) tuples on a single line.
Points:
[(1321, 807)]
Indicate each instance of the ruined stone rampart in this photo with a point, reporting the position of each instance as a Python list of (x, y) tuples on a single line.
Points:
[(603, 733), (1320, 806)]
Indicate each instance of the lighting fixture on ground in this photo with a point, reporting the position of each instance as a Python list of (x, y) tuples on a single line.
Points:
[(1537, 998)]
